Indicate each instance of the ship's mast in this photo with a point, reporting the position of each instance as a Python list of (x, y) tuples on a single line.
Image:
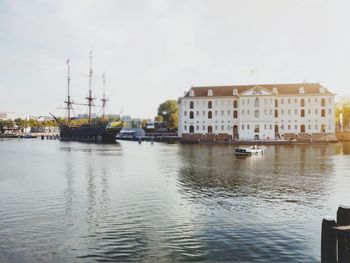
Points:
[(90, 98), (68, 102), (104, 100)]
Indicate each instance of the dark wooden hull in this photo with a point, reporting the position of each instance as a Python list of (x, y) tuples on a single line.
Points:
[(97, 134)]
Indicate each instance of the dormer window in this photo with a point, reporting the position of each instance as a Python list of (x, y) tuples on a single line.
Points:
[(322, 90), (191, 93), (274, 90), (234, 92), (210, 92), (301, 90)]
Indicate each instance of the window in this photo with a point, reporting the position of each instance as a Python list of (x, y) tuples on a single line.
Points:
[(288, 111), (301, 90), (256, 128), (257, 103), (203, 113), (197, 113), (185, 113), (210, 115), (256, 114), (216, 113), (274, 90), (197, 127), (222, 113), (203, 127), (222, 127), (191, 104), (282, 112), (302, 103), (288, 126), (323, 113), (302, 128), (235, 104), (288, 101), (242, 126), (329, 111), (185, 128), (210, 104), (276, 103), (210, 92), (191, 93), (234, 92), (302, 113), (235, 114), (323, 128), (323, 102), (228, 112), (248, 127), (296, 112), (191, 114), (210, 129), (276, 113), (282, 101)]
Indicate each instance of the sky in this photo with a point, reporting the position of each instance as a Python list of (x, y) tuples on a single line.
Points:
[(154, 50)]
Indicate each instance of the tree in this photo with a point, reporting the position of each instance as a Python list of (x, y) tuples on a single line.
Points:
[(20, 123), (173, 121), (159, 118), (167, 108)]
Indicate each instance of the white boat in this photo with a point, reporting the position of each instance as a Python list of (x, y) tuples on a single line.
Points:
[(249, 150)]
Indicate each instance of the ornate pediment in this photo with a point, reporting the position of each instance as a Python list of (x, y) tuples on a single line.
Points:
[(256, 91)]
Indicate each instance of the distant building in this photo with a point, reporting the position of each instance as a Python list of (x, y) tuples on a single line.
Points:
[(14, 115), (257, 112)]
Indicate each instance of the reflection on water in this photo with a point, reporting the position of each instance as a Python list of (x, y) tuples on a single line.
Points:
[(75, 202)]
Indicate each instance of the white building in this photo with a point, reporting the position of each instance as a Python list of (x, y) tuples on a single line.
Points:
[(265, 112)]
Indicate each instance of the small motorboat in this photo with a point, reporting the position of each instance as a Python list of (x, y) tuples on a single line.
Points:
[(249, 150)]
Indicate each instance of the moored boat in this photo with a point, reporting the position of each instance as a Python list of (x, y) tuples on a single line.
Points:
[(249, 150)]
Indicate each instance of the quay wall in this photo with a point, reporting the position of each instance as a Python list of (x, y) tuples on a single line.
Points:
[(228, 139), (343, 136)]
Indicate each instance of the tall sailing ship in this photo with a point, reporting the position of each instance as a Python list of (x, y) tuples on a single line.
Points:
[(96, 129)]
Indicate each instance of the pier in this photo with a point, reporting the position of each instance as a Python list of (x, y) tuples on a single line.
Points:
[(335, 237)]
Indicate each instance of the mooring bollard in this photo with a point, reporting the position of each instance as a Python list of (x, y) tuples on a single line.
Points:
[(328, 241), (343, 218)]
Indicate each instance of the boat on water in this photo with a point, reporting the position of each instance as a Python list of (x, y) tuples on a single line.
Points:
[(253, 150), (94, 130)]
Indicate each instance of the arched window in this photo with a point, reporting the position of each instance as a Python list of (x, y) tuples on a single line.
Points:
[(302, 113), (276, 103), (323, 102), (276, 113), (191, 114), (302, 128), (257, 128), (210, 129), (256, 114), (323, 113), (257, 102), (191, 129), (210, 115), (302, 103), (235, 104), (323, 128), (210, 104), (191, 104), (235, 114)]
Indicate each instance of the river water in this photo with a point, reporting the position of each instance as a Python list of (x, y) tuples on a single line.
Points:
[(76, 202)]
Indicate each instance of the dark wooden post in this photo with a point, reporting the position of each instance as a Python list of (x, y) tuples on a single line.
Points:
[(343, 218), (328, 242)]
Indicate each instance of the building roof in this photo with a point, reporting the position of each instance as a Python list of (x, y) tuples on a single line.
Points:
[(282, 89)]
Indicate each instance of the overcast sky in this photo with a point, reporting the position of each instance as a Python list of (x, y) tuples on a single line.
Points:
[(153, 50)]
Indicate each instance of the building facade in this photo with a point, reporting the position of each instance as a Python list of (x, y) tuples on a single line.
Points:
[(257, 112)]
